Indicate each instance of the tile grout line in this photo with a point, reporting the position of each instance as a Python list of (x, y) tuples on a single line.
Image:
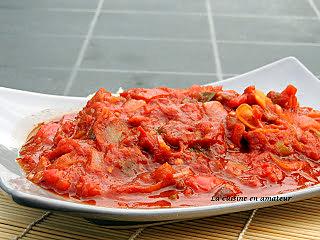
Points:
[(83, 49), (247, 224), (130, 71), (196, 40), (134, 71), (136, 233), (32, 224), (119, 37), (275, 43), (133, 12), (127, 11), (148, 72), (314, 8), (215, 50), (226, 15), (188, 40)]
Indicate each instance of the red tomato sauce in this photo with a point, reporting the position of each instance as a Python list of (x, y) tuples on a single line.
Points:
[(163, 147)]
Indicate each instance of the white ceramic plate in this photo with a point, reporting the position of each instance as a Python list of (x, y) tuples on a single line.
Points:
[(20, 111)]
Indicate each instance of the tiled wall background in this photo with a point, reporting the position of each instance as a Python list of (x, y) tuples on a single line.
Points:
[(73, 47)]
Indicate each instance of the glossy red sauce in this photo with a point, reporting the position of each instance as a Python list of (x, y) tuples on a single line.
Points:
[(167, 147)]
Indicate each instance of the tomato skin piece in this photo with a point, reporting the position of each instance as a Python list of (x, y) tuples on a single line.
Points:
[(273, 173), (236, 102), (37, 144), (289, 165), (306, 122), (51, 176), (46, 133), (203, 183), (133, 105), (62, 185), (164, 173), (175, 133), (66, 129), (215, 111), (162, 177), (145, 94), (90, 190), (64, 146), (160, 203), (227, 190), (137, 120), (88, 187), (235, 168), (27, 163), (314, 114), (67, 160), (286, 99), (136, 188), (167, 194), (237, 133), (252, 181), (147, 140)]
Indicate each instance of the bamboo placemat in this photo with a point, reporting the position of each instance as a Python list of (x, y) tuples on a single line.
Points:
[(300, 220)]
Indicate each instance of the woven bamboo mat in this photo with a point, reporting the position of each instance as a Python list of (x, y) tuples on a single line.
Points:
[(300, 220)]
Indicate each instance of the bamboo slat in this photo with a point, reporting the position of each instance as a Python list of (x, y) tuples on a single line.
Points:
[(299, 220), (296, 221), (209, 228)]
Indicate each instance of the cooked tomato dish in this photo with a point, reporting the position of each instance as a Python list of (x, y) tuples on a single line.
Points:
[(163, 147)]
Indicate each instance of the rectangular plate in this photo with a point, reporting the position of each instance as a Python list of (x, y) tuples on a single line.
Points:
[(21, 110)]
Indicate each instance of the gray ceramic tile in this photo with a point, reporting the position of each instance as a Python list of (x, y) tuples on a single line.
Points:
[(240, 58), (149, 55), (88, 81), (43, 81), (159, 26), (27, 51), (44, 22), (228, 75), (263, 7), (155, 5), (264, 29), (67, 4)]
